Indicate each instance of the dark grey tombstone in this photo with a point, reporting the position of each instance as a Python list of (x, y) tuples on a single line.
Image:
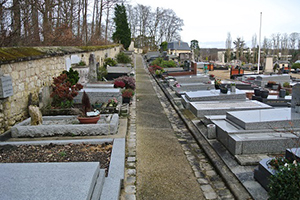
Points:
[(295, 95)]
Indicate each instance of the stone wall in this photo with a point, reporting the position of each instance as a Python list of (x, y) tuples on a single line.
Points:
[(35, 77)]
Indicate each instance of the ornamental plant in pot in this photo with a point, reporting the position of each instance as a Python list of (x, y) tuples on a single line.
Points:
[(127, 94), (88, 117), (217, 83)]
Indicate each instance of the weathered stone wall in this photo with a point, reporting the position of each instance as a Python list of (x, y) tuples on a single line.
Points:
[(35, 77)]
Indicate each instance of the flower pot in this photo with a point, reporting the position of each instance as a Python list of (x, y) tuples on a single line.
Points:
[(264, 93), (233, 88), (88, 120), (126, 99), (224, 90), (282, 93), (257, 92), (217, 87)]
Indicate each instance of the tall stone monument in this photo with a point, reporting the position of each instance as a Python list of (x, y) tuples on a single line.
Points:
[(92, 69)]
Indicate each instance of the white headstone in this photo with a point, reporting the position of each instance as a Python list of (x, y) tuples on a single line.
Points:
[(269, 64), (75, 59), (68, 63)]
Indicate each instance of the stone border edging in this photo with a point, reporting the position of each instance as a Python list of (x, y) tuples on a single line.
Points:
[(112, 184)]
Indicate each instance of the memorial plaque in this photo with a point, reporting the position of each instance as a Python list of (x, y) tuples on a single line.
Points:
[(6, 88)]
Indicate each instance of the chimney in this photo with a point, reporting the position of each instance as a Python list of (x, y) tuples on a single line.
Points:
[(179, 43)]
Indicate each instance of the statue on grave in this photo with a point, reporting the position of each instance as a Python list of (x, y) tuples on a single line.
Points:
[(36, 115)]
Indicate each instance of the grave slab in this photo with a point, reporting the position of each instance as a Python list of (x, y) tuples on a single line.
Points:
[(262, 80), (192, 87), (265, 119), (215, 95), (200, 109), (59, 181), (193, 79)]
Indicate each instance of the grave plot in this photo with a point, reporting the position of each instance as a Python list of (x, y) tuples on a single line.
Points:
[(64, 180), (263, 171), (211, 95), (258, 131), (202, 108), (66, 126)]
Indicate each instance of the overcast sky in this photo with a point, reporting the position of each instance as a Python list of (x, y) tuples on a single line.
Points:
[(209, 21)]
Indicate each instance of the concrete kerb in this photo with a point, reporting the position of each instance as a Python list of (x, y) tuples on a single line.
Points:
[(231, 181)]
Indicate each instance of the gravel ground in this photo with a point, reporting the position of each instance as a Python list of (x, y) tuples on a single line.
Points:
[(57, 153)]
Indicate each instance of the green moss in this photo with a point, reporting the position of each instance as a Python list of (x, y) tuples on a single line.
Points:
[(9, 54), (94, 48), (18, 53)]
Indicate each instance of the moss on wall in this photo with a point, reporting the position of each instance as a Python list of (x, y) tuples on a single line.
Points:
[(17, 54)]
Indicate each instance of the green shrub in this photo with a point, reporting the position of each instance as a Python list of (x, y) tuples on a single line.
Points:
[(163, 63), (73, 76), (102, 72), (285, 183), (123, 58), (109, 61), (286, 84), (81, 63), (296, 66)]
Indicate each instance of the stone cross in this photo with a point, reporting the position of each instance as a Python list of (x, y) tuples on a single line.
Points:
[(92, 69)]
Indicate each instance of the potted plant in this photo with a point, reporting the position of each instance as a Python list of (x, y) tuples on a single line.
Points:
[(112, 104), (233, 87), (264, 93), (282, 93), (217, 83), (127, 94), (224, 90), (257, 92), (88, 117)]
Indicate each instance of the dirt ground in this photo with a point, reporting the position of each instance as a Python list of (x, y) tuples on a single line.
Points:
[(225, 74)]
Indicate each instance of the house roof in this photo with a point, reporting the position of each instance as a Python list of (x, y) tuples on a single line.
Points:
[(178, 45)]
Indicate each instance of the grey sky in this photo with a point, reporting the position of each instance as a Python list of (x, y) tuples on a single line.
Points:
[(209, 21)]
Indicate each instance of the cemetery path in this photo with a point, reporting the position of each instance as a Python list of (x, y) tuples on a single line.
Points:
[(163, 171)]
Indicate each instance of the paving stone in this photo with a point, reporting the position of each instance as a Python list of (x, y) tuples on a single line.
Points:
[(131, 172), (202, 181), (208, 192), (131, 159), (130, 197), (211, 173), (130, 189), (130, 180)]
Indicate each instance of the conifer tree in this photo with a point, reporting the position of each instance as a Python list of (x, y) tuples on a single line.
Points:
[(122, 33)]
